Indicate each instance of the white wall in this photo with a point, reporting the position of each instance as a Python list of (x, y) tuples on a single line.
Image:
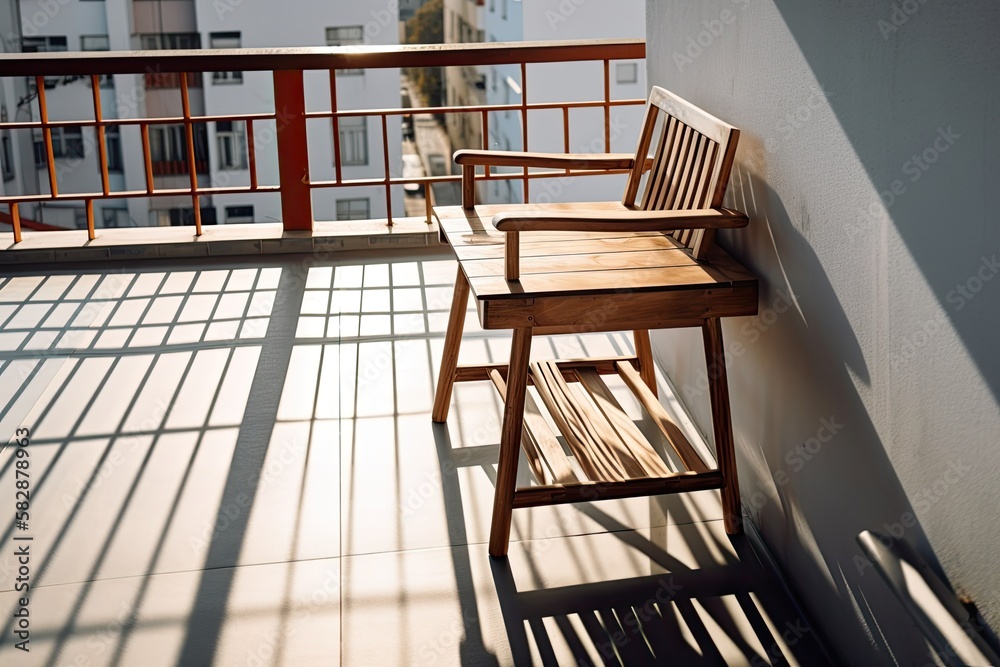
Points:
[(863, 318)]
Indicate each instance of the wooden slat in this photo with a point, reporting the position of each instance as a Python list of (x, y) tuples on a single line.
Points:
[(677, 172), (632, 243), (670, 430), (656, 175), (545, 160), (701, 193), (479, 268), (581, 435), (678, 482), (639, 448), (657, 309), (645, 138), (544, 453), (597, 281), (628, 221), (602, 365), (687, 113), (686, 193)]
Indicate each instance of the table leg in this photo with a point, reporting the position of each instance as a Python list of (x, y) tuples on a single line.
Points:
[(644, 352), (510, 442), (718, 386), (452, 342)]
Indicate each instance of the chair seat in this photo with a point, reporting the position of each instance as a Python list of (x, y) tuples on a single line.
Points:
[(632, 279)]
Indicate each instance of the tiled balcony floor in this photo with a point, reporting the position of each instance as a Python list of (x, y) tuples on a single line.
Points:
[(234, 464)]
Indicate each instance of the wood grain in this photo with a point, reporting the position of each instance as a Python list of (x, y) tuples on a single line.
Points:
[(678, 442), (510, 440)]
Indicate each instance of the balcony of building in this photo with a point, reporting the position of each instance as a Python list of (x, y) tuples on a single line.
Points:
[(232, 459)]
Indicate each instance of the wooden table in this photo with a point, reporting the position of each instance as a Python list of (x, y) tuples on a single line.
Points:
[(590, 282)]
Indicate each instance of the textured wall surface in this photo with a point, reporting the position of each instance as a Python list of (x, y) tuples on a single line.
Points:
[(866, 390)]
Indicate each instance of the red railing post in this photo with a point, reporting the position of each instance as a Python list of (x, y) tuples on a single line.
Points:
[(293, 150)]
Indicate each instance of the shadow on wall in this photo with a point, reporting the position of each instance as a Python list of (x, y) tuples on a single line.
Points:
[(865, 392), (837, 476)]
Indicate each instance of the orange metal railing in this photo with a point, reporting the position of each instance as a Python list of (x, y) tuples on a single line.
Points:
[(184, 69)]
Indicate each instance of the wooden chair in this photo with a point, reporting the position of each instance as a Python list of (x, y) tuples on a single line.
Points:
[(639, 264)]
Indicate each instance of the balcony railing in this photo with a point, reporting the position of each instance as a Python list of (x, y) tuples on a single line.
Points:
[(295, 186)]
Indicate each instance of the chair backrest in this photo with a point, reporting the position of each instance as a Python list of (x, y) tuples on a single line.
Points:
[(692, 157)]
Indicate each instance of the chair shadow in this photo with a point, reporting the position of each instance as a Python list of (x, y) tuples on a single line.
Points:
[(681, 615), (676, 615)]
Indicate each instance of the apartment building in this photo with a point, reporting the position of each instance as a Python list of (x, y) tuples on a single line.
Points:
[(221, 156), (545, 20)]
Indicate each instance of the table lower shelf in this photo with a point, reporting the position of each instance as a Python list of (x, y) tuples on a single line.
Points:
[(613, 457)]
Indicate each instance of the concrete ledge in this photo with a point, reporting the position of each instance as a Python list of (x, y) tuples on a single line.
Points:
[(221, 240)]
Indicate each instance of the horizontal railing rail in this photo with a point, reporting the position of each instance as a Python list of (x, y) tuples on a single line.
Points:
[(295, 186)]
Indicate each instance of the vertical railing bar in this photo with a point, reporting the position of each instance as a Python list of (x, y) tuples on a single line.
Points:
[(189, 135), (196, 203), (565, 111), (43, 116), (251, 154), (524, 123), (607, 106), (15, 215), (336, 125), (146, 157), (486, 139), (429, 202), (102, 149), (388, 184), (89, 204)]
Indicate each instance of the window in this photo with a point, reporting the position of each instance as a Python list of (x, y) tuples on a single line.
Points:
[(7, 158), (94, 43), (231, 138), (80, 218), (626, 72), (66, 142), (45, 44), (168, 149), (185, 216), (115, 217), (239, 214), (353, 209), (170, 40), (113, 146), (167, 40), (6, 151), (348, 35), (353, 141), (225, 40), (97, 43)]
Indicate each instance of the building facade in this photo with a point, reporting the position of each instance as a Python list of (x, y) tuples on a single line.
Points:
[(547, 20), (221, 158)]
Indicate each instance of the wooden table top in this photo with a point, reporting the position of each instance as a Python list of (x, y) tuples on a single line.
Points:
[(567, 264)]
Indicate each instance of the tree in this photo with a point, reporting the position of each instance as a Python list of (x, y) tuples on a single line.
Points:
[(426, 26)]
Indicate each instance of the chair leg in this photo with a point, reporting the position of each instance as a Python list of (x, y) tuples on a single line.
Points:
[(452, 342), (718, 385), (644, 352), (510, 442)]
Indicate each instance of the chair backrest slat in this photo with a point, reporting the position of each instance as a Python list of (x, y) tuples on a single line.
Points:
[(656, 176), (691, 160)]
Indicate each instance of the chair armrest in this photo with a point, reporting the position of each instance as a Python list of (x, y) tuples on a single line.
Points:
[(620, 221), (550, 160)]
